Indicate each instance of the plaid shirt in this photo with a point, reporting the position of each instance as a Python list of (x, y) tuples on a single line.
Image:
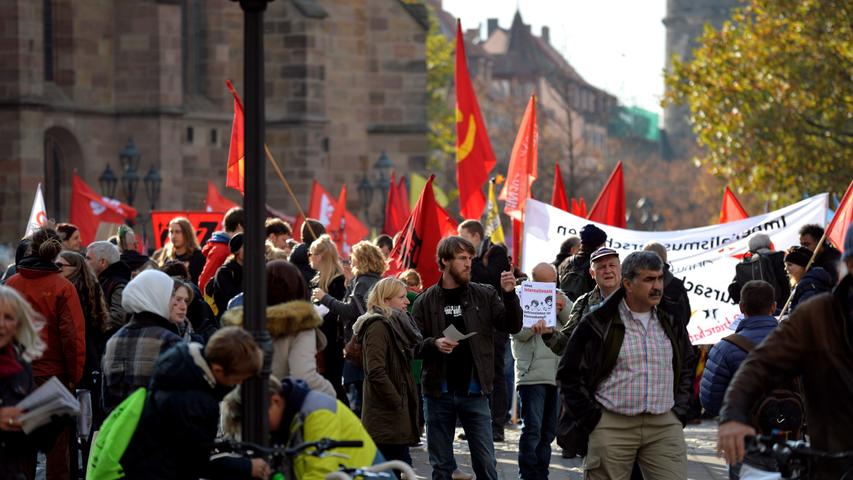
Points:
[(642, 380), (131, 353)]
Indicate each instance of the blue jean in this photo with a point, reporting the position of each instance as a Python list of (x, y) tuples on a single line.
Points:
[(476, 417), (540, 408)]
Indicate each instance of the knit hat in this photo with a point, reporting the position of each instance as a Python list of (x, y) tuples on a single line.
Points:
[(798, 256), (848, 243), (592, 235), (236, 243)]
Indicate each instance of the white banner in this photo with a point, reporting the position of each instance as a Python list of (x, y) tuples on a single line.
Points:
[(704, 258)]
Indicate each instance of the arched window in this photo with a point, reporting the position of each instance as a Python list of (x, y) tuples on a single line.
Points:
[(62, 156)]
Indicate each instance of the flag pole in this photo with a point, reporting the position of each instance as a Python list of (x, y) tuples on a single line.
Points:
[(289, 190)]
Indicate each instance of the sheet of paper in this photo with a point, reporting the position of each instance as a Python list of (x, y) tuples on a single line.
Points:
[(454, 334), (539, 302)]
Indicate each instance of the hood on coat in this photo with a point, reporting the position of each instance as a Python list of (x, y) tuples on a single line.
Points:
[(183, 367), (217, 240), (283, 319), (150, 291)]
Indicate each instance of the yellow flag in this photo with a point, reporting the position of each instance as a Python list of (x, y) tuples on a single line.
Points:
[(416, 185), (492, 222)]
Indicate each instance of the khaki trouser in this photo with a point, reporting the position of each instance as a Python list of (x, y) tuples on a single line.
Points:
[(656, 441)]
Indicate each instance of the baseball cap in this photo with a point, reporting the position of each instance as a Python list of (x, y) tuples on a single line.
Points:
[(603, 252)]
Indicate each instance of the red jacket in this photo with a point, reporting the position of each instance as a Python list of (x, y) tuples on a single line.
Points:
[(216, 250), (64, 330)]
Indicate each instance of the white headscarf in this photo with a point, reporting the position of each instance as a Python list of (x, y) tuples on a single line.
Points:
[(150, 291)]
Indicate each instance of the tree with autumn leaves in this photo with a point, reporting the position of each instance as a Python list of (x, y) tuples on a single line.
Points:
[(771, 98)]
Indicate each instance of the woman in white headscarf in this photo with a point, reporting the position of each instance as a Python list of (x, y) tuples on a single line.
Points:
[(132, 351)]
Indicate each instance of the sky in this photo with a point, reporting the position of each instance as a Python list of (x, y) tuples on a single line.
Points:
[(616, 45)]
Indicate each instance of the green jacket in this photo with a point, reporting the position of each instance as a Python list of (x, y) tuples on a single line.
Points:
[(537, 356)]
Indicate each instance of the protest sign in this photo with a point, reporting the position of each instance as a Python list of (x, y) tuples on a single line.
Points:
[(539, 302), (704, 258), (205, 223)]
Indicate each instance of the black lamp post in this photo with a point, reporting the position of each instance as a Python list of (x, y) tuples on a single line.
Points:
[(152, 184), (365, 192), (108, 182), (366, 189), (255, 390), (129, 158)]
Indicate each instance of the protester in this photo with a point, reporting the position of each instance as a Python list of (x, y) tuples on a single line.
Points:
[(414, 285), (217, 249), (536, 377), (272, 253), (131, 352), (182, 246), (182, 297), (605, 272), (368, 265), (201, 317), (625, 381), (299, 414), (129, 248), (385, 244), (488, 264), (329, 278), (388, 337), (278, 232), (757, 303), (20, 252), (461, 391), (310, 232), (814, 343), (113, 275), (575, 278), (762, 263), (64, 332), (806, 283), (181, 412), (228, 281), (569, 247), (828, 257), (69, 235), (19, 346)]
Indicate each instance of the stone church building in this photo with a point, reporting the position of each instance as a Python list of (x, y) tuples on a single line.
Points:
[(345, 81)]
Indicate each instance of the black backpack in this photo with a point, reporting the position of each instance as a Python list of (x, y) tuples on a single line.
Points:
[(755, 267), (782, 411), (575, 281)]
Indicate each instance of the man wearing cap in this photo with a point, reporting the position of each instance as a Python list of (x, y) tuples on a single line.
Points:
[(575, 279), (604, 270), (815, 342), (228, 281), (625, 381)]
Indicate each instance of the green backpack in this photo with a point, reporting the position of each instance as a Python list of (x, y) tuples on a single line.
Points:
[(114, 437)]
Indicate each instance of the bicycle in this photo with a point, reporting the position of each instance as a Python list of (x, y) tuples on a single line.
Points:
[(277, 456), (795, 459), (374, 471)]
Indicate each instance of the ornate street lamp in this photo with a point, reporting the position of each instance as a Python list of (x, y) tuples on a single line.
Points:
[(152, 183), (365, 192), (129, 157), (383, 165), (108, 182)]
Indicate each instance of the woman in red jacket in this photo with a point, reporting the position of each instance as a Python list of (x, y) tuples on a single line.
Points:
[(40, 282)]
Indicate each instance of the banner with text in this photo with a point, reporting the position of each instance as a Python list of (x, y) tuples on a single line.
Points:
[(205, 223), (704, 258)]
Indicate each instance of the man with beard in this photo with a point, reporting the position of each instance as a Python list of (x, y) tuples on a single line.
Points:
[(459, 376), (625, 381)]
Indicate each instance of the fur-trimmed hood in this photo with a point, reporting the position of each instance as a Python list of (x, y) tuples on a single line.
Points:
[(283, 319)]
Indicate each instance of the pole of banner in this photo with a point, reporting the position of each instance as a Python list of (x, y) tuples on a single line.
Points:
[(287, 187), (808, 266)]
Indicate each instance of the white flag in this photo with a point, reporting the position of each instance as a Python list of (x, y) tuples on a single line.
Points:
[(38, 215)]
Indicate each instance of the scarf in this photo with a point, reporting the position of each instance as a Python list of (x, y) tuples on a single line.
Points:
[(9, 364)]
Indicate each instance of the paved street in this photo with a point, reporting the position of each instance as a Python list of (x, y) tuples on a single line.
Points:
[(701, 440)]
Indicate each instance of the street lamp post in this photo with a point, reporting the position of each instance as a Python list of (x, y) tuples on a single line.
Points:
[(152, 182), (255, 390), (108, 182), (129, 159), (366, 188)]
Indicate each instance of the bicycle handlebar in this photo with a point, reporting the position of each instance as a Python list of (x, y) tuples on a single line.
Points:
[(319, 447), (777, 446)]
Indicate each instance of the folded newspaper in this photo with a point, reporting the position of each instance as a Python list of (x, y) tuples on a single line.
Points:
[(49, 400)]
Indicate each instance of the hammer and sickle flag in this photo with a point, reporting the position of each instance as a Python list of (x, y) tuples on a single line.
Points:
[(474, 155)]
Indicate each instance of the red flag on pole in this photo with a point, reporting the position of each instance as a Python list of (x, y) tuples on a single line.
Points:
[(323, 207), (731, 210), (576, 208), (337, 224), (236, 155), (474, 155), (558, 195), (419, 238), (88, 209), (582, 207), (216, 202), (523, 164), (403, 200), (609, 208), (395, 214), (841, 220)]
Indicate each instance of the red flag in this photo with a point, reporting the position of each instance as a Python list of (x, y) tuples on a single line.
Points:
[(403, 200), (523, 164), (731, 209), (517, 228), (582, 207), (337, 224), (216, 202), (558, 195), (236, 155), (474, 155), (332, 212), (841, 220), (576, 208), (321, 204), (396, 207), (419, 238), (88, 209), (609, 208)]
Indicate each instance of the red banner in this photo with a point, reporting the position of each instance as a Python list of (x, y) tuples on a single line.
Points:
[(205, 223)]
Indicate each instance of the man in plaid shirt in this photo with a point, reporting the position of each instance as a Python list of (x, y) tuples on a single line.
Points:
[(625, 381)]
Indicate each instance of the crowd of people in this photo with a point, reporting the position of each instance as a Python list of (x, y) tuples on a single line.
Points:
[(361, 354)]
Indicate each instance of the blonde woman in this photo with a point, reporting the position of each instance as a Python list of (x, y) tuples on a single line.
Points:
[(388, 337), (19, 345), (368, 265), (182, 246), (323, 258)]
